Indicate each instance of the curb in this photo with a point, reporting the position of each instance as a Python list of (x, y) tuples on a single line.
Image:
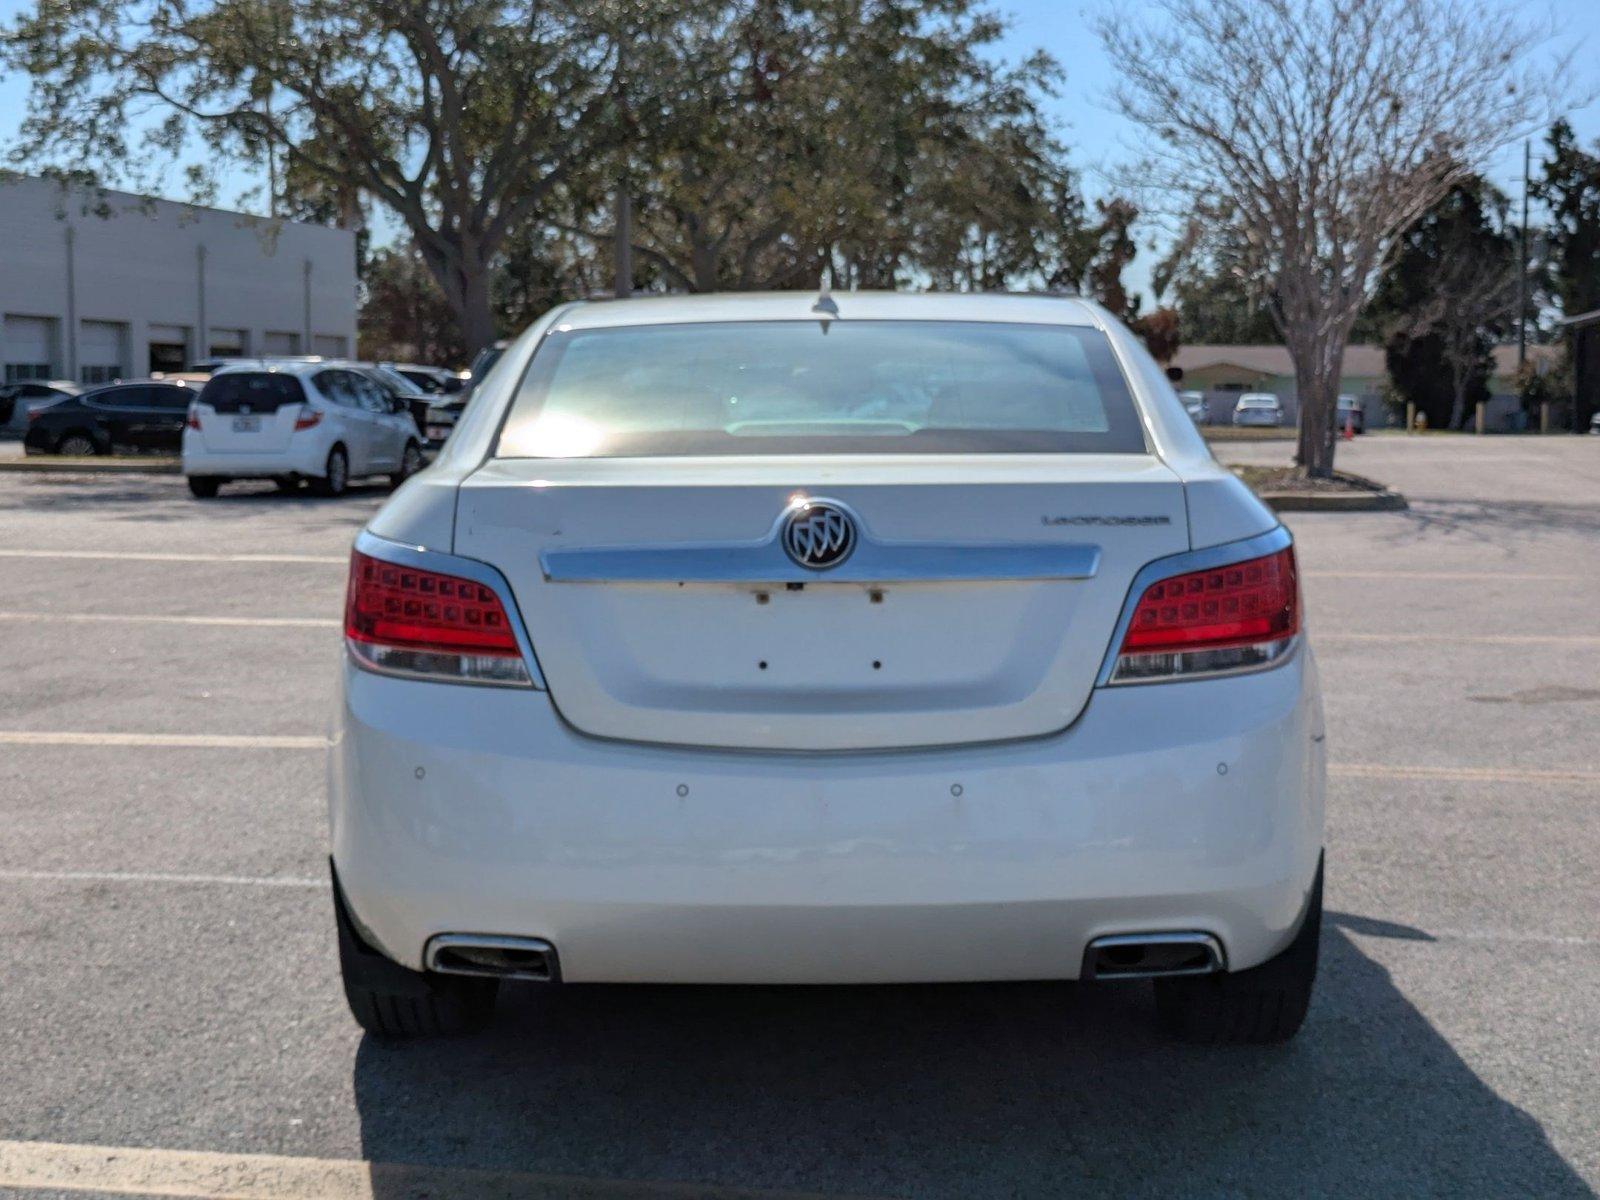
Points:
[(56, 465), (1384, 501)]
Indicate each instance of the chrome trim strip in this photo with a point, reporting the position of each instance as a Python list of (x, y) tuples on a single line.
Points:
[(1213, 947), (1281, 651), (873, 561), (468, 568), (1275, 539), (362, 654)]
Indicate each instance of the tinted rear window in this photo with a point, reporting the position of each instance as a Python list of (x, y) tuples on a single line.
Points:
[(839, 387), (260, 391)]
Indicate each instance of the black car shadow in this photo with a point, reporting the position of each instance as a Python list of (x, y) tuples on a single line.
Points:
[(953, 1091)]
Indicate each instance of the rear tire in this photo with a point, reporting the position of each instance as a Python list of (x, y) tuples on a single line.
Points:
[(1256, 1006), (336, 475), (394, 1002), (77, 445), (410, 463), (204, 487)]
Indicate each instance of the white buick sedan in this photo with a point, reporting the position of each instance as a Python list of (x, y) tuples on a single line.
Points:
[(803, 639)]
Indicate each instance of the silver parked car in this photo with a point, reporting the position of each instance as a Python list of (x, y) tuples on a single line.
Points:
[(1194, 403), (1258, 408)]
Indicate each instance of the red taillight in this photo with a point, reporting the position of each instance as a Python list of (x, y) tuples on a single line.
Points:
[(1251, 601), (402, 606), (193, 421), (1226, 618), (402, 620), (307, 419)]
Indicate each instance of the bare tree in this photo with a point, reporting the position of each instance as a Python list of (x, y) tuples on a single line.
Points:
[(1329, 126)]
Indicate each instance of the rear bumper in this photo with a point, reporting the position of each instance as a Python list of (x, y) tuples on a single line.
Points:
[(1177, 806), (294, 461)]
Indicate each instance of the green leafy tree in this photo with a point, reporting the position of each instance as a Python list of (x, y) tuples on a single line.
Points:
[(1211, 277), (1570, 188), (876, 140), (404, 316), (1449, 297), (460, 117)]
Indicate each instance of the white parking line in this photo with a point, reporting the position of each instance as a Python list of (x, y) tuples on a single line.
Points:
[(1463, 774), (163, 619), (1464, 576), (197, 741), (154, 877), (133, 1171), (1462, 639), (141, 556)]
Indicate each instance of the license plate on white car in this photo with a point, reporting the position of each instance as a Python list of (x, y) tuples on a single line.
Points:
[(247, 424)]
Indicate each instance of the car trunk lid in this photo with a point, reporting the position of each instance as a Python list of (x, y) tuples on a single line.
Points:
[(978, 604)]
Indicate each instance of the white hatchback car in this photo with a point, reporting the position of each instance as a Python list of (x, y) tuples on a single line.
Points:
[(293, 421), (864, 639)]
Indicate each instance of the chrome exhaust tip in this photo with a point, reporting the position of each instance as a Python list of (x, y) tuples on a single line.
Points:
[(492, 955), (1152, 956)]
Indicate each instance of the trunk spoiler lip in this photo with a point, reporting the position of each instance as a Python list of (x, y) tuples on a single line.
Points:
[(874, 560)]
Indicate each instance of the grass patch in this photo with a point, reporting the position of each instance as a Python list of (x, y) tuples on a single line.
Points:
[(1247, 433), (1289, 479)]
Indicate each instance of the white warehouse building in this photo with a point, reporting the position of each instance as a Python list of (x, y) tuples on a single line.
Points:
[(99, 285)]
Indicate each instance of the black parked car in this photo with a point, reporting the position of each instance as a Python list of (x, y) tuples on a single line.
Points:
[(141, 416), (18, 399)]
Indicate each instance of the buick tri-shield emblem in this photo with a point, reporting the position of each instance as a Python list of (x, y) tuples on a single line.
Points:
[(819, 535)]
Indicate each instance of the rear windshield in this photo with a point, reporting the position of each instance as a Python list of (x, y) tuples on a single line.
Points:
[(835, 387), (259, 391), (1259, 402)]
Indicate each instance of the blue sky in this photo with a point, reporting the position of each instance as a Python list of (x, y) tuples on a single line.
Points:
[(1096, 137)]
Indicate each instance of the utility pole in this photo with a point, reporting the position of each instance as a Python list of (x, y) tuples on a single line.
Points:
[(1522, 262)]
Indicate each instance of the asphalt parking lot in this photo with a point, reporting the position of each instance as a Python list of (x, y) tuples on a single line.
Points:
[(168, 980)]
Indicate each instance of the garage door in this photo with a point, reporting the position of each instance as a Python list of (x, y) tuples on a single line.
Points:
[(329, 346), (100, 356), (280, 343), (169, 347), (227, 343), (29, 348)]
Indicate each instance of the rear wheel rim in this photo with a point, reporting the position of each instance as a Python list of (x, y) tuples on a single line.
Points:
[(77, 445)]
